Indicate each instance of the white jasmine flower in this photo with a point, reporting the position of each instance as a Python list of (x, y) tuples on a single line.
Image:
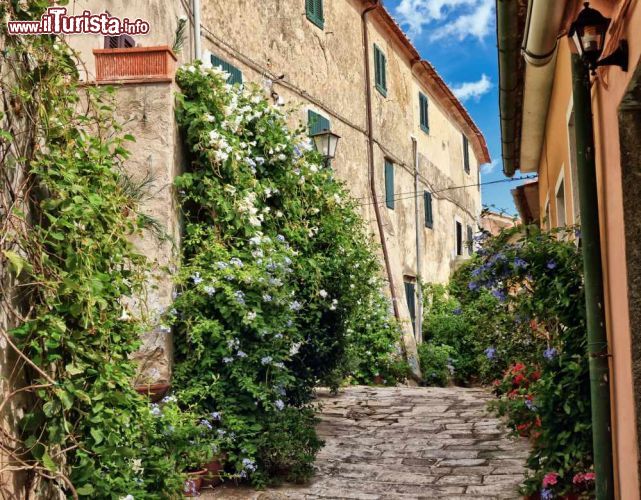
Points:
[(295, 348), (251, 316), (279, 404), (334, 304), (323, 294), (210, 290)]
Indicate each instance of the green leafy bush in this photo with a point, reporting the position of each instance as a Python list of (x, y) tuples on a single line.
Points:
[(436, 363)]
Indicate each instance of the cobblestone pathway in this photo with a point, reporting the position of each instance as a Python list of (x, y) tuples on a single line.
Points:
[(407, 442)]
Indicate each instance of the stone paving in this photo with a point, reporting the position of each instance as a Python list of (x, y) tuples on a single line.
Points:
[(406, 442)]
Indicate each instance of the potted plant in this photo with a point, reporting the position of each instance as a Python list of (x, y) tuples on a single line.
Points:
[(148, 385)]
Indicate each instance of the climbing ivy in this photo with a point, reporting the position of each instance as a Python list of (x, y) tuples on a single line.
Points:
[(67, 215)]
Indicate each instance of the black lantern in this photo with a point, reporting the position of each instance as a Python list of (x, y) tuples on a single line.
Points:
[(325, 142), (588, 32)]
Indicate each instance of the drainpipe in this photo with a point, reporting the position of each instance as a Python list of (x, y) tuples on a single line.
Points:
[(507, 35), (594, 301), (370, 159), (418, 323), (196, 7)]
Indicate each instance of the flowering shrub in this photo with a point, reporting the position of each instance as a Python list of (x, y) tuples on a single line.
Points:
[(517, 308), (279, 284)]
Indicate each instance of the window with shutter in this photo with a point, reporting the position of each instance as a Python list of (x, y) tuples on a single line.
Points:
[(466, 154), (410, 296), (389, 184), (316, 123), (427, 202), (425, 121), (459, 238), (314, 11), (119, 42), (380, 71), (235, 74), (470, 240)]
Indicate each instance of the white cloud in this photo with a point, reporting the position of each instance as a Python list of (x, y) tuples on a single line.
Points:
[(488, 168), (472, 90), (447, 18)]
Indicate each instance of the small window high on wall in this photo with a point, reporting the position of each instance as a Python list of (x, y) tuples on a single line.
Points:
[(459, 238), (119, 42)]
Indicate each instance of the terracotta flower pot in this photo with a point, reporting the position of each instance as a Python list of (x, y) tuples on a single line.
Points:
[(155, 392), (194, 483), (378, 380), (214, 468)]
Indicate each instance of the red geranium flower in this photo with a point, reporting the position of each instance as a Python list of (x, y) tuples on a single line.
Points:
[(550, 479)]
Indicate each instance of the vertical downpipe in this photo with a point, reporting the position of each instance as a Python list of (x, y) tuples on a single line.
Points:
[(419, 268), (370, 159), (594, 301), (197, 49)]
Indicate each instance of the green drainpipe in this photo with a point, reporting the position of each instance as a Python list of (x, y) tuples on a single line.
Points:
[(594, 303)]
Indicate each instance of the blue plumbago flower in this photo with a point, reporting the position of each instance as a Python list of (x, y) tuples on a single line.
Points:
[(206, 423), (280, 237), (235, 261), (243, 474), (196, 278), (457, 311), (289, 323), (519, 263), (275, 282), (155, 410), (221, 265), (472, 285), (295, 306), (551, 264), (546, 494), (210, 290), (490, 353), (249, 465), (267, 298), (278, 336), (530, 405), (287, 261), (260, 160), (254, 240), (279, 365), (241, 354), (577, 233), (297, 152), (227, 359), (266, 360), (215, 415), (239, 296), (550, 353), (500, 295), (476, 271), (272, 266), (279, 404), (221, 432), (250, 162), (281, 390)]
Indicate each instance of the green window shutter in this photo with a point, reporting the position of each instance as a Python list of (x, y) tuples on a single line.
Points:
[(235, 75), (470, 238), (410, 296), (466, 154), (389, 184), (316, 123), (427, 202), (380, 70), (314, 12), (423, 106)]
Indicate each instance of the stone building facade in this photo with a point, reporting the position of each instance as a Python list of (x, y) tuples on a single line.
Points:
[(311, 58)]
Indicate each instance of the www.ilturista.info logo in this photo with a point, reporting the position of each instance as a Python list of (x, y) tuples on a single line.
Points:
[(56, 22)]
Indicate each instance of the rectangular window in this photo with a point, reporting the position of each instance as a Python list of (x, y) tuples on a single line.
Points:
[(470, 240), (314, 11), (410, 296), (459, 238), (316, 123), (389, 184), (380, 70), (425, 120), (466, 154), (235, 75), (427, 202)]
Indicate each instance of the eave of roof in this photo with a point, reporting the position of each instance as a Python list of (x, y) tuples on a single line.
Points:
[(433, 81)]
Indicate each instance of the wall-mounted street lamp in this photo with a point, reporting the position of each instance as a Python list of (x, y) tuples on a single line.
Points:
[(325, 142), (588, 32)]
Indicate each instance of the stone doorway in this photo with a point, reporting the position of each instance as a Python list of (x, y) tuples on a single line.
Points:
[(630, 143)]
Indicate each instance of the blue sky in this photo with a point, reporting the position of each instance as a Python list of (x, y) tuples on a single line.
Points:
[(459, 38)]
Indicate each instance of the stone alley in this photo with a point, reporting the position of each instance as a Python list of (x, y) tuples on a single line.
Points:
[(407, 442)]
